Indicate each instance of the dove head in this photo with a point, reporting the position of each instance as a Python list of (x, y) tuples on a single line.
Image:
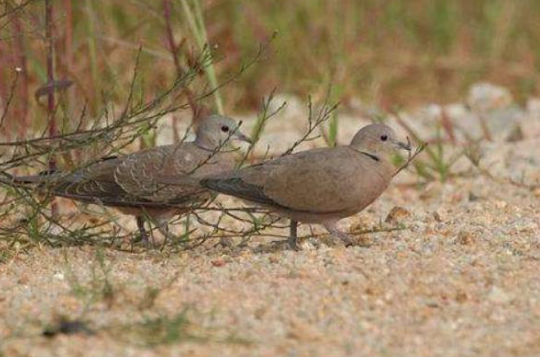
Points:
[(217, 130), (378, 140)]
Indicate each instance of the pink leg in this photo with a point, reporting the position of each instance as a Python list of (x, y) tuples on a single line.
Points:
[(331, 227)]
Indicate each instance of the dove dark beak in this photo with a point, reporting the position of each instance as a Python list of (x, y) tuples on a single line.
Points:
[(239, 136), (403, 146)]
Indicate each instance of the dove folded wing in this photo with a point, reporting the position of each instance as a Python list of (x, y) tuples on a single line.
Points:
[(308, 181), (235, 186)]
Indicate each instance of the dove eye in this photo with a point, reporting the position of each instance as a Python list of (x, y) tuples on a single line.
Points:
[(384, 137), (224, 128)]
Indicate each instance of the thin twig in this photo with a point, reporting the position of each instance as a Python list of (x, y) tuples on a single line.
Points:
[(417, 152)]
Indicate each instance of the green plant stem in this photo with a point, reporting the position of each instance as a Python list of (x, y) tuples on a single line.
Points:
[(194, 16)]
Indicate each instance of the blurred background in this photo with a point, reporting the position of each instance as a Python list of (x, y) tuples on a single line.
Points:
[(389, 53)]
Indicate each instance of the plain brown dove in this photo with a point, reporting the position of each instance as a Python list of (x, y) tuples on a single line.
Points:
[(128, 183), (320, 185)]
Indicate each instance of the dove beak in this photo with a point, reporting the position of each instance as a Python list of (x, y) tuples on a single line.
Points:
[(239, 136), (403, 146)]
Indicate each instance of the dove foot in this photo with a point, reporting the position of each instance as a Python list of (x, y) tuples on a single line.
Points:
[(286, 244), (168, 236), (163, 228), (292, 241), (224, 242), (334, 231)]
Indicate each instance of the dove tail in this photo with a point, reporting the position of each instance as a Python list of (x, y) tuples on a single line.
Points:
[(26, 181), (6, 178)]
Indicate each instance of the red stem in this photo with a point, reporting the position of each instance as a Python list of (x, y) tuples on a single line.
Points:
[(4, 82), (170, 36), (67, 66), (68, 39), (199, 110), (50, 66), (174, 53), (50, 79), (22, 113)]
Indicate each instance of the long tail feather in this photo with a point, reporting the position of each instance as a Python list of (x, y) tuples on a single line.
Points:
[(27, 181)]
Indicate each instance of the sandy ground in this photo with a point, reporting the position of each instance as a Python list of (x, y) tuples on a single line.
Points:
[(461, 279)]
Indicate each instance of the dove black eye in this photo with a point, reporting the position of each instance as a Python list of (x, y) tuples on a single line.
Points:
[(384, 137), (224, 128)]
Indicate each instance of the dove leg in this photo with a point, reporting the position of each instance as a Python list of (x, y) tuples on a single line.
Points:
[(142, 230), (293, 236), (331, 227), (163, 228)]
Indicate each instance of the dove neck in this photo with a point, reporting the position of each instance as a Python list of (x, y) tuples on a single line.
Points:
[(212, 145), (371, 156), (367, 154), (207, 142)]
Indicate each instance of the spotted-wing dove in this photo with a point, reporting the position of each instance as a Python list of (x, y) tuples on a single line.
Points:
[(321, 185), (128, 183)]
